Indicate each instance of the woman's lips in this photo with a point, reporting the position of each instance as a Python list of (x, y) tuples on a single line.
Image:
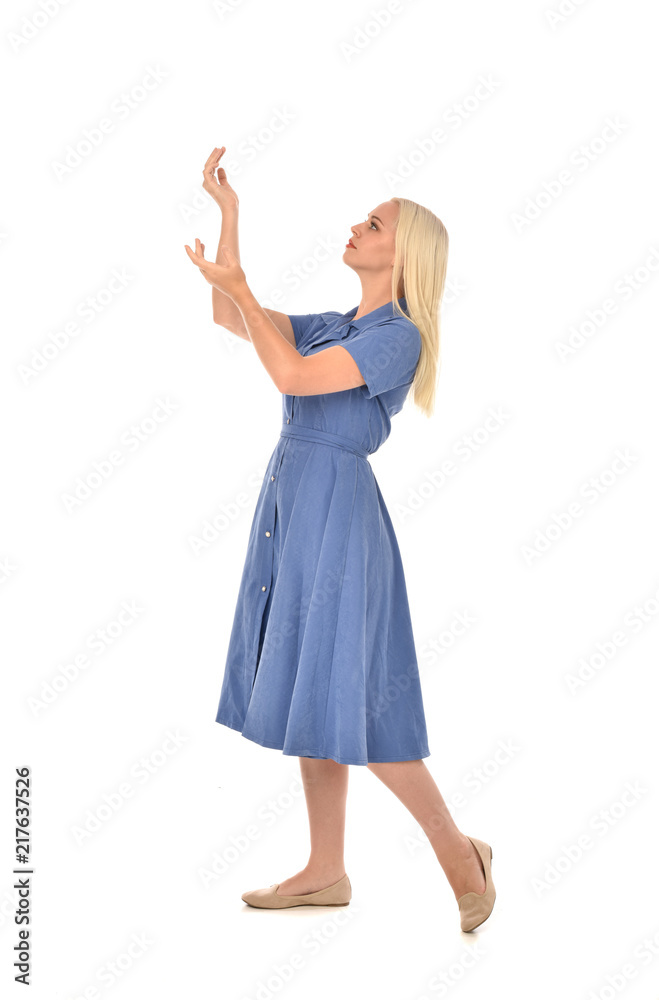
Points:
[(351, 245)]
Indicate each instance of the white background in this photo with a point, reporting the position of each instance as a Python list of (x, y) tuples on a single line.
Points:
[(361, 99)]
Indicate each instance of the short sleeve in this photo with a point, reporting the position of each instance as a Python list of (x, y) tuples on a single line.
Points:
[(386, 355), (308, 326)]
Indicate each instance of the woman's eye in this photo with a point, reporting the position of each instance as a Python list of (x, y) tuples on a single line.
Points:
[(373, 224)]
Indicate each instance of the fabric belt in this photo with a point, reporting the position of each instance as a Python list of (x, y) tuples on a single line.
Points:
[(324, 437)]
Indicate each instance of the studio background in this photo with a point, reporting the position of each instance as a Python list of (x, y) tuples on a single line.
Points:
[(530, 130)]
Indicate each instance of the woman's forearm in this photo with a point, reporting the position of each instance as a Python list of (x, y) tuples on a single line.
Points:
[(225, 312), (279, 358)]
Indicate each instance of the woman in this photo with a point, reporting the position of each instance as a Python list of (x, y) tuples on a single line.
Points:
[(321, 661)]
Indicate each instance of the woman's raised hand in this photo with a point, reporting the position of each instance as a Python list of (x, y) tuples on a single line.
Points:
[(228, 277), (218, 187)]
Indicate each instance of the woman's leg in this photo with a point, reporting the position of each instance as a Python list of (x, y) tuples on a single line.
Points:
[(326, 790), (413, 784)]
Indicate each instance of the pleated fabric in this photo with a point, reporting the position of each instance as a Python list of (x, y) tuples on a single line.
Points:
[(321, 659)]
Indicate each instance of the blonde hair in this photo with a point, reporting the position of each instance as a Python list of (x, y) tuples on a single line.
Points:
[(421, 256)]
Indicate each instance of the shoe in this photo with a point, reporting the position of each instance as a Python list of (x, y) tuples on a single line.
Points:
[(338, 894), (475, 907)]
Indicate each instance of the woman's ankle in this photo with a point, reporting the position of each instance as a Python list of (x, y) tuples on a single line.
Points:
[(453, 853), (322, 868)]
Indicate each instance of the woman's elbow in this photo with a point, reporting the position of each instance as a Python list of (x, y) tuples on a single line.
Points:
[(290, 381)]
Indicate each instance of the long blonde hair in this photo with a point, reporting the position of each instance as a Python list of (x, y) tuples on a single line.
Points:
[(421, 256)]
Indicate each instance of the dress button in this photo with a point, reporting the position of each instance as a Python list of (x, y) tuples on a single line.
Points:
[(267, 534), (272, 477), (262, 588), (288, 421)]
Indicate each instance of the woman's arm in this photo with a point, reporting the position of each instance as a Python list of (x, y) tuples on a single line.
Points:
[(332, 370), (225, 311)]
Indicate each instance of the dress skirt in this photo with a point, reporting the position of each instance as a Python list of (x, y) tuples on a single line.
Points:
[(321, 659)]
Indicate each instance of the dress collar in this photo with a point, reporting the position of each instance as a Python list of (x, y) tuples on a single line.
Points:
[(375, 316)]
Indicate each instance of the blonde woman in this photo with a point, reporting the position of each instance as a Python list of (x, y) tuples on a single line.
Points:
[(321, 661)]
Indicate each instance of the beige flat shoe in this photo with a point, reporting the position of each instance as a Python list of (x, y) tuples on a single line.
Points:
[(475, 907), (338, 894)]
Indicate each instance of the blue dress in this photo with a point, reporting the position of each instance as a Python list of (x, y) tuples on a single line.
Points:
[(321, 659)]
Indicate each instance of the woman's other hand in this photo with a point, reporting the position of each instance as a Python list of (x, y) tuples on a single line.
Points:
[(218, 187), (229, 277)]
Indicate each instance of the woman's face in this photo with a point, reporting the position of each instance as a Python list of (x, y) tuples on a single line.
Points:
[(373, 240)]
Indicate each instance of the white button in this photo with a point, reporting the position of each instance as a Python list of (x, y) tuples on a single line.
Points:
[(262, 588), (272, 477), (267, 534), (288, 421)]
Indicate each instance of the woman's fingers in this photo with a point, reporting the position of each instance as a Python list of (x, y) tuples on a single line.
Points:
[(198, 257), (214, 159), (211, 165), (215, 156)]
